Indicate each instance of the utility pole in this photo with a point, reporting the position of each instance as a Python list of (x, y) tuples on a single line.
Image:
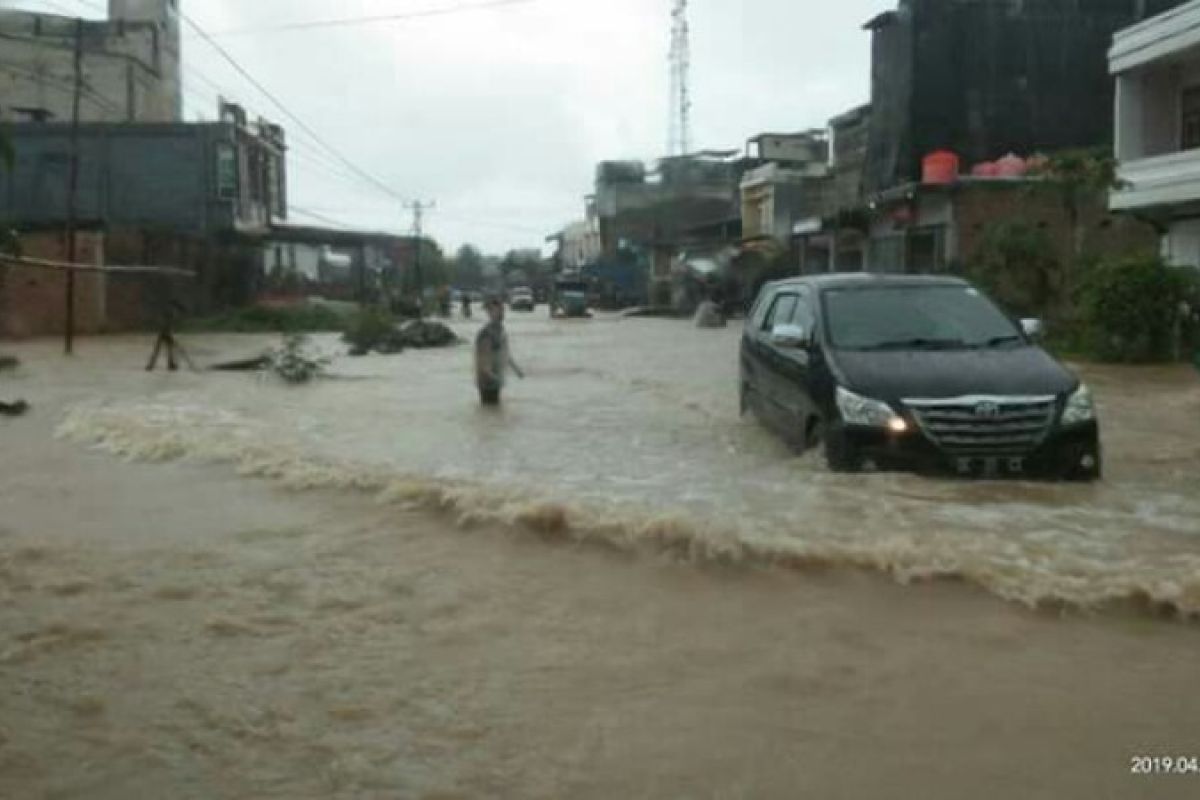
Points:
[(73, 188), (418, 208)]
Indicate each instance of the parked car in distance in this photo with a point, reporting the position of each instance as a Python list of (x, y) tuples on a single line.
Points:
[(521, 299), (916, 372)]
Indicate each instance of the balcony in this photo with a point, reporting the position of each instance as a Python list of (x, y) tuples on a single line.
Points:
[(1157, 69), (1165, 180)]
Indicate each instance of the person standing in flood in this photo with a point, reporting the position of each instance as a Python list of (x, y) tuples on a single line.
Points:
[(492, 355)]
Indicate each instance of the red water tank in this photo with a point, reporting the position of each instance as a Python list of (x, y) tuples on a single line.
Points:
[(940, 167), (985, 170), (1011, 166)]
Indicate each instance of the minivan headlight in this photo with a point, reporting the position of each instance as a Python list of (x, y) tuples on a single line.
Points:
[(858, 410), (1081, 407)]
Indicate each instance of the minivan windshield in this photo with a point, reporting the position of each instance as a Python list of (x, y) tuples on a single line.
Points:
[(916, 318)]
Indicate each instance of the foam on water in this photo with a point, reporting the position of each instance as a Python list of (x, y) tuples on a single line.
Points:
[(1025, 544)]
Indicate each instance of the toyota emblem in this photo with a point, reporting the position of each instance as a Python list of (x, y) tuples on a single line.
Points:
[(987, 410)]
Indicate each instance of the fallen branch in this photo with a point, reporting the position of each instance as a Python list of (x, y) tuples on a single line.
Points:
[(41, 263)]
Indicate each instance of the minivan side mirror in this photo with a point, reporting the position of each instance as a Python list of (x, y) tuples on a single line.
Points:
[(792, 337), (1034, 328)]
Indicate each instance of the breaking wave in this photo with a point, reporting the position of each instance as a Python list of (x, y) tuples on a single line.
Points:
[(1023, 569)]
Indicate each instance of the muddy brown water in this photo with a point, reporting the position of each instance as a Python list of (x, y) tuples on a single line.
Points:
[(218, 586)]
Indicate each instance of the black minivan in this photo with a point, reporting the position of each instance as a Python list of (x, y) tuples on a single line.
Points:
[(915, 372)]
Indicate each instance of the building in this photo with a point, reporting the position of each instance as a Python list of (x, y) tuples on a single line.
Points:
[(934, 228), (1157, 69), (200, 179), (578, 244), (649, 217), (197, 196), (338, 264), (130, 65), (788, 187), (833, 236), (983, 79)]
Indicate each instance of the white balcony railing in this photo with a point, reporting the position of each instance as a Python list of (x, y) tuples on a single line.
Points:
[(1158, 181)]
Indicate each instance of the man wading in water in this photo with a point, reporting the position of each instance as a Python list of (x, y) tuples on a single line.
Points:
[(492, 356)]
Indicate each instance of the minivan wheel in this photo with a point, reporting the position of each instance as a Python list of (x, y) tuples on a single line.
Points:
[(840, 454)]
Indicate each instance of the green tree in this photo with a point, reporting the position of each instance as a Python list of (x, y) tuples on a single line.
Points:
[(467, 267), (525, 268), (1078, 178), (433, 272)]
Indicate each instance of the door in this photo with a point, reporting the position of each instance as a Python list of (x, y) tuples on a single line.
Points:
[(752, 356), (794, 368), (772, 387)]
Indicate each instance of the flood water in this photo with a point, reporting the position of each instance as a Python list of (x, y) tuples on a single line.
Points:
[(216, 586), (628, 430)]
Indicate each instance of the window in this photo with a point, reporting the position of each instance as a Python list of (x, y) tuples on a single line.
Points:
[(1190, 135), (227, 173), (890, 317), (781, 311), (804, 316)]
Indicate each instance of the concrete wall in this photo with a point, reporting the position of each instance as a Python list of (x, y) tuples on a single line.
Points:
[(131, 64), (787, 148), (1181, 245)]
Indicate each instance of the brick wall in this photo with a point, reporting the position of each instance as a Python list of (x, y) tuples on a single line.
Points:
[(1105, 234), (33, 301)]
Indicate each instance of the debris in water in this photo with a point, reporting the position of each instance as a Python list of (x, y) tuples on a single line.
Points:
[(709, 315), (255, 364), (16, 409), (422, 334), (376, 332), (294, 362), (9, 363)]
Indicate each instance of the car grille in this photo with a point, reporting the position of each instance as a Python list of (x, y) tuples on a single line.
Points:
[(1001, 426)]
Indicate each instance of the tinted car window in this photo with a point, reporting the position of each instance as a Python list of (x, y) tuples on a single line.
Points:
[(950, 316), (781, 312), (804, 315)]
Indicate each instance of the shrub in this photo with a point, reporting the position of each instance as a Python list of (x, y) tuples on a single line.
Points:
[(269, 319), (1136, 309), (1015, 263), (371, 329)]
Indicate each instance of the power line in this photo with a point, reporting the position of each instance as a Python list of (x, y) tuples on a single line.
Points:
[(57, 7), (288, 112), (304, 212), (101, 100), (371, 20)]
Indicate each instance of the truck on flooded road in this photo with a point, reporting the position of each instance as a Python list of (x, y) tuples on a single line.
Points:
[(569, 299)]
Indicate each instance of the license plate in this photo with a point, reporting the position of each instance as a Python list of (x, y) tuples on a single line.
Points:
[(991, 467)]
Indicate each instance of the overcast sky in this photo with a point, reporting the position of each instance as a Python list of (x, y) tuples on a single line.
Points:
[(500, 115)]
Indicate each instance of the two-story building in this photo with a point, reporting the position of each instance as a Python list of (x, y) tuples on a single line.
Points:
[(201, 196), (1157, 69), (788, 186)]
